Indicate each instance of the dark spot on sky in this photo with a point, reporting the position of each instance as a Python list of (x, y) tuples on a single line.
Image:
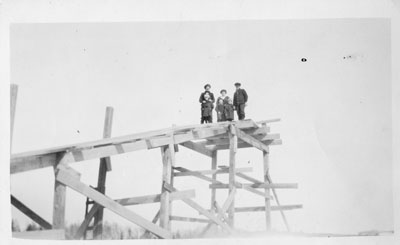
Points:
[(303, 59)]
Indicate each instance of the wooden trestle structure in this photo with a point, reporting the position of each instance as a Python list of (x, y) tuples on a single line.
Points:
[(206, 139)]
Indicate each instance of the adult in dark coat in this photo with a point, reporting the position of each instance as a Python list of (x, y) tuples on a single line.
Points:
[(202, 100), (240, 101)]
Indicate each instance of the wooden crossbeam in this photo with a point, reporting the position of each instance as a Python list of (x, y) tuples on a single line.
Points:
[(155, 198), (262, 185), (64, 177), (206, 172), (24, 162), (243, 145), (251, 140), (269, 121), (251, 131), (58, 234), (30, 213), (198, 175), (273, 208), (147, 233), (190, 219), (203, 211), (225, 141), (198, 148), (85, 224)]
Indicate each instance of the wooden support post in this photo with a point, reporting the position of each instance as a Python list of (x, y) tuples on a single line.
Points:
[(168, 159), (30, 213), (267, 189), (105, 165), (214, 161), (13, 104), (59, 199), (232, 171)]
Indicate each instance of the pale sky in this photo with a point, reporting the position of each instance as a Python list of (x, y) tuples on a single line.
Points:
[(336, 113)]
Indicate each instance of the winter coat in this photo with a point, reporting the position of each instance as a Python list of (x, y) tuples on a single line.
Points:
[(240, 97)]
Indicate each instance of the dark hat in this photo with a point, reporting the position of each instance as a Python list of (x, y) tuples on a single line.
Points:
[(223, 90), (205, 86), (238, 84)]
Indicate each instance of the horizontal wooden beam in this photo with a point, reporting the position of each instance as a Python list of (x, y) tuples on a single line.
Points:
[(30, 213), (155, 198), (251, 131), (41, 235), (263, 185), (198, 175), (200, 148), (21, 164), (273, 208), (269, 121), (189, 219), (243, 145), (64, 177), (251, 140), (207, 172), (225, 141)]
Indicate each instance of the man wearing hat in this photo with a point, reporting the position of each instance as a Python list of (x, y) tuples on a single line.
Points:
[(203, 100), (240, 101)]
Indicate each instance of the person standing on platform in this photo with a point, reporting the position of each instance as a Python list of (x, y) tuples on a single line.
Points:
[(240, 101), (211, 100), (219, 107)]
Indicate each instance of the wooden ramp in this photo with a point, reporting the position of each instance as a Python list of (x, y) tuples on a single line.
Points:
[(205, 139)]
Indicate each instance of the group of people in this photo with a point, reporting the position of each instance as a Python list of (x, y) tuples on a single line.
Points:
[(225, 106)]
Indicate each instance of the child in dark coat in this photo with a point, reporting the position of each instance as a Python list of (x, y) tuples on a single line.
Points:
[(229, 110), (206, 109)]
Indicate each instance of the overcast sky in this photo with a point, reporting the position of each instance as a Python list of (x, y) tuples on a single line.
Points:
[(335, 110)]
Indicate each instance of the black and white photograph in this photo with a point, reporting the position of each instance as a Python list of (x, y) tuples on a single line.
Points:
[(179, 126)]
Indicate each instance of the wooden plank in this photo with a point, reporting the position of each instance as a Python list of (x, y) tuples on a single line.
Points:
[(233, 141), (203, 211), (269, 121), (273, 208), (189, 219), (197, 175), (82, 228), (198, 148), (257, 192), (243, 145), (113, 206), (224, 141), (59, 198), (250, 131), (221, 213), (167, 153), (214, 160), (41, 235), (104, 167), (13, 105), (212, 171), (23, 161), (146, 234), (30, 213), (267, 190), (23, 164), (155, 198), (262, 185), (251, 140)]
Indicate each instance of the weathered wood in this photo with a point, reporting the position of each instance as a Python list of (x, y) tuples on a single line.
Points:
[(28, 161), (65, 178), (198, 175), (13, 105), (214, 161), (251, 131), (167, 153), (41, 235), (105, 165), (147, 233), (260, 138), (189, 219), (203, 211), (267, 190), (198, 148), (279, 204), (269, 121), (85, 224), (155, 198), (273, 208), (243, 145), (257, 192), (262, 185), (30, 213), (59, 197), (212, 171), (251, 140), (233, 141)]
